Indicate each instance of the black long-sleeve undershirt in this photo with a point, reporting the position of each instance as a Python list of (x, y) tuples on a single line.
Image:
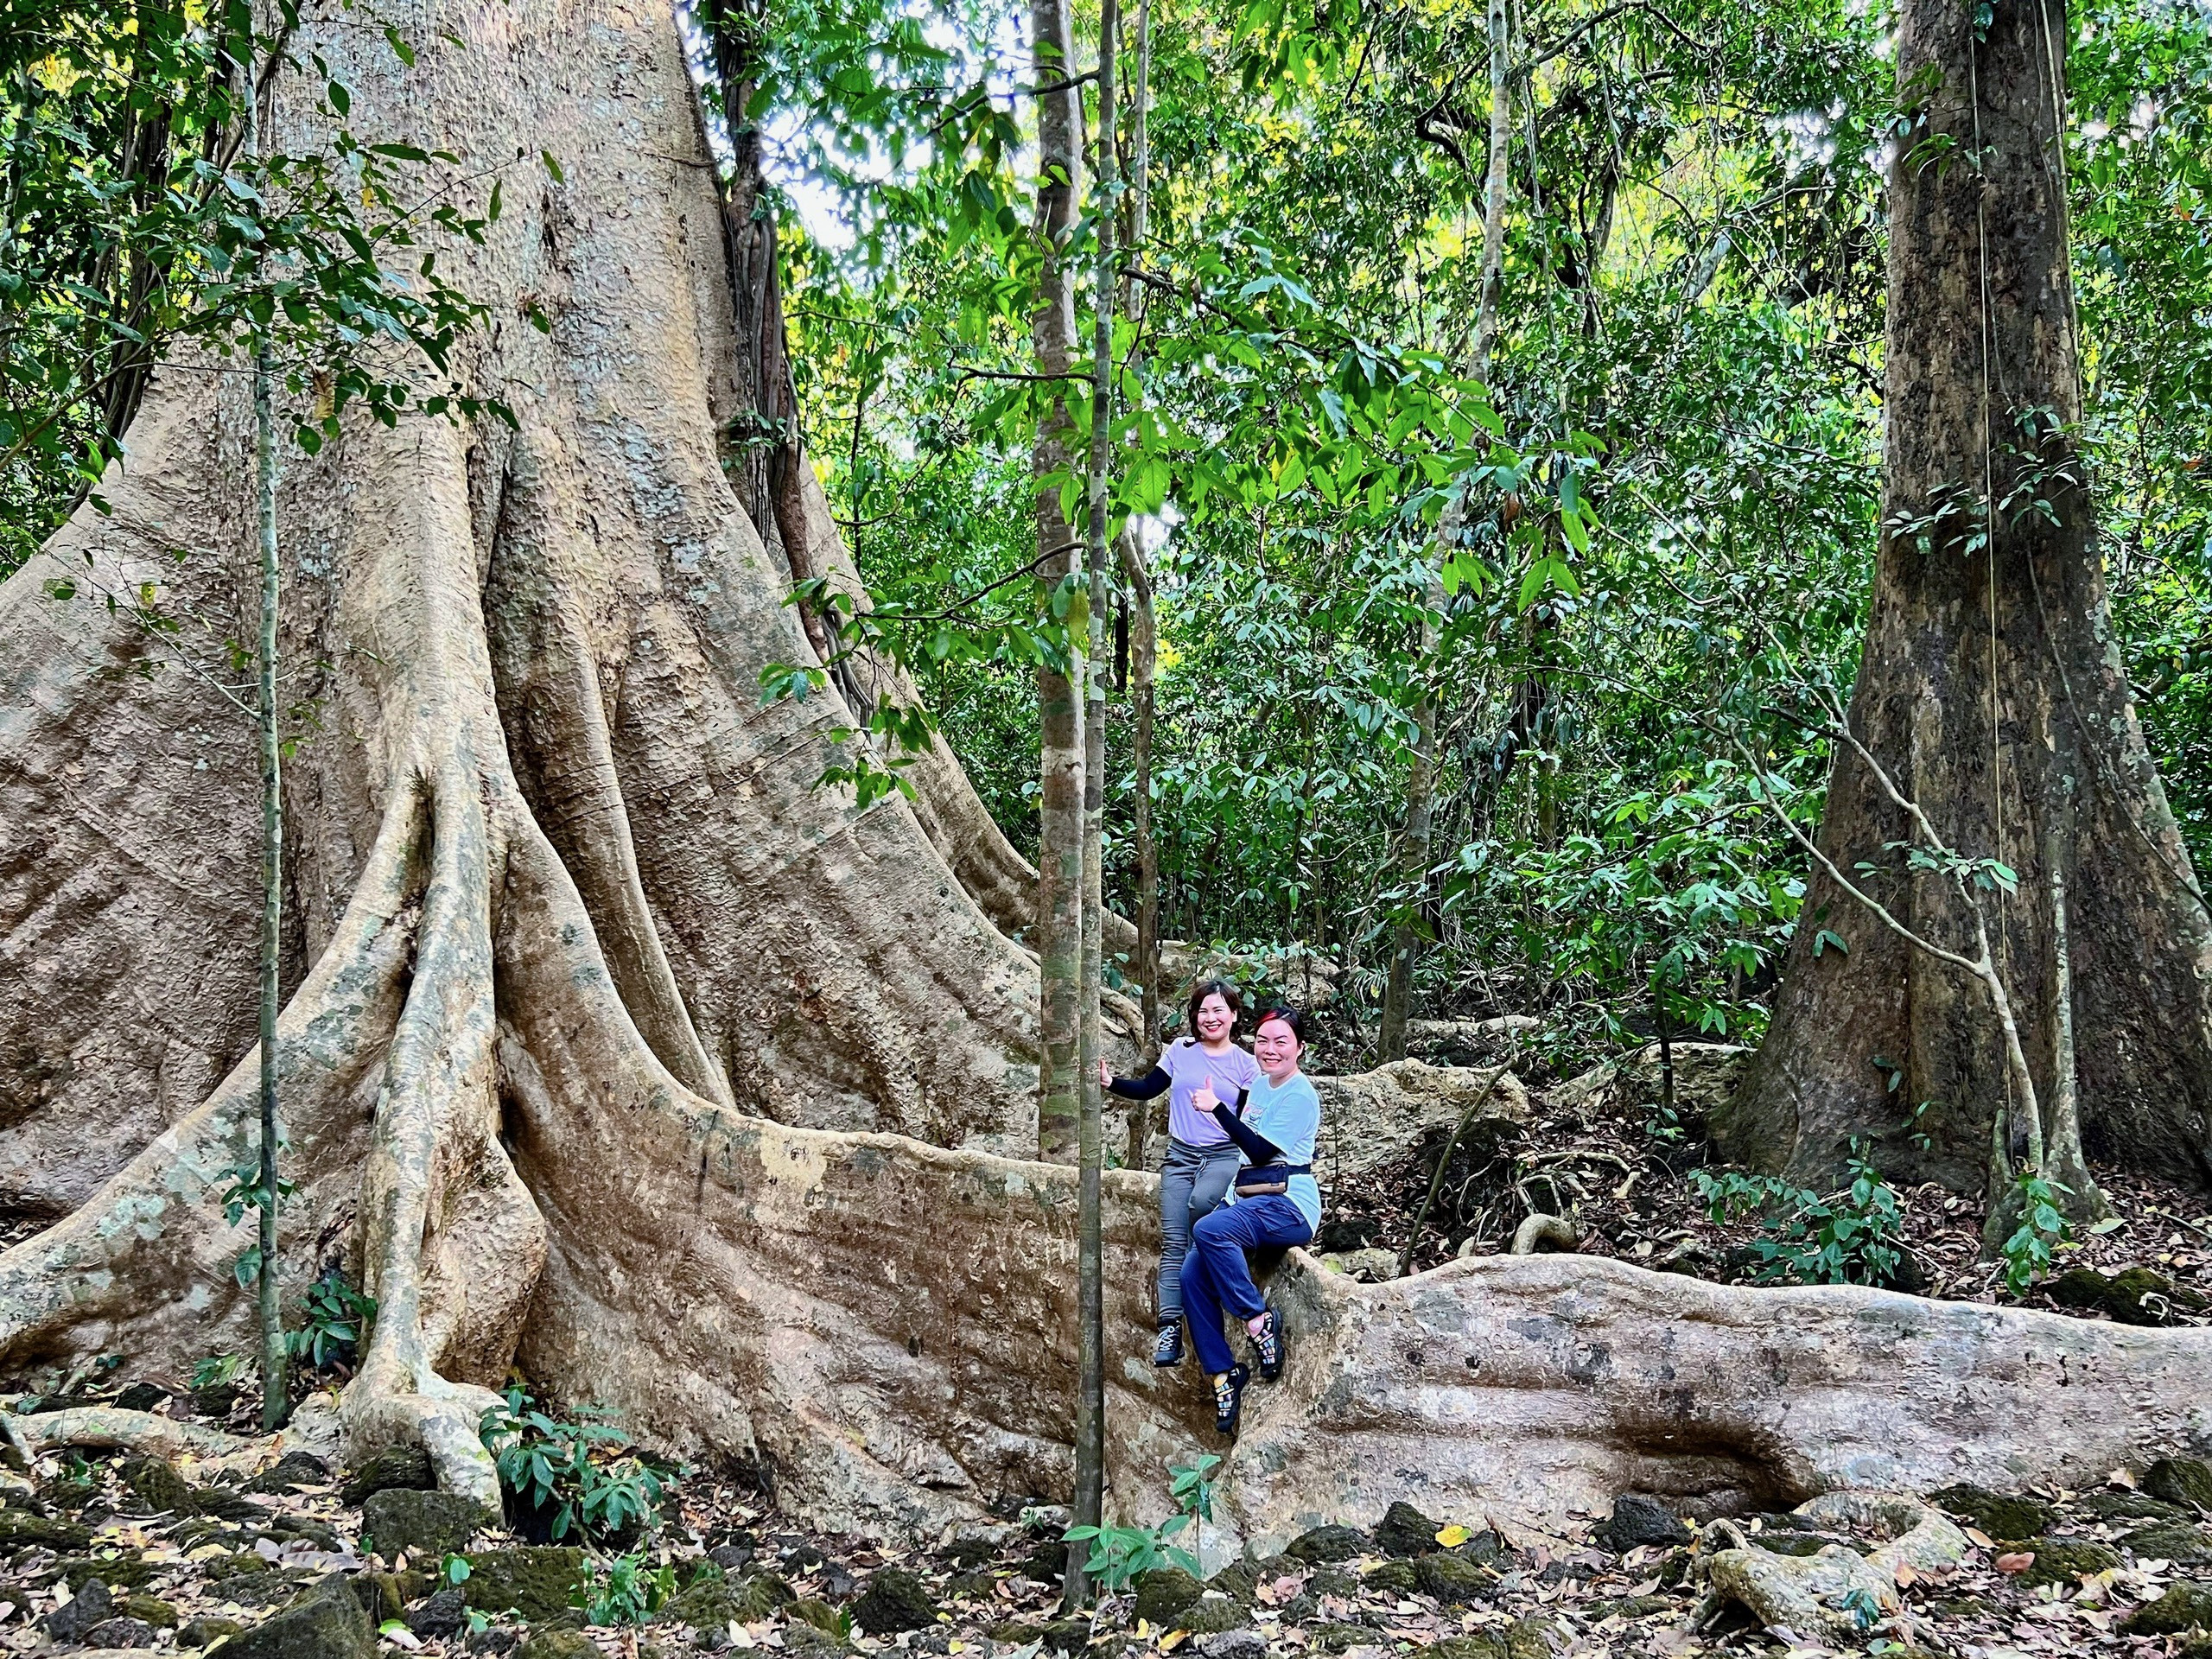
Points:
[(1256, 1146), (1153, 1083)]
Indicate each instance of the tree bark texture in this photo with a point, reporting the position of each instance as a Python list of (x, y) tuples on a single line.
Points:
[(1059, 696), (1991, 689)]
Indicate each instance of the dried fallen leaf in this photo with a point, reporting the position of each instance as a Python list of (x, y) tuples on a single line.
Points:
[(1453, 1536), (1975, 1534), (1906, 1576), (2016, 1562), (1173, 1640), (2121, 1478)]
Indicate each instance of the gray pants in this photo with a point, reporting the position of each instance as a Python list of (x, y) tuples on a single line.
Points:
[(1192, 1183)]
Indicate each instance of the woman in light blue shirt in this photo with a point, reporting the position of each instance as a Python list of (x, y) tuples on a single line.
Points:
[(1277, 1202)]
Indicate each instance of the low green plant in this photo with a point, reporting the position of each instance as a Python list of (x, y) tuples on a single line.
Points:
[(576, 1475), (333, 1316), (626, 1590), (218, 1369), (1854, 1236), (1120, 1555), (2042, 1228), (454, 1569)]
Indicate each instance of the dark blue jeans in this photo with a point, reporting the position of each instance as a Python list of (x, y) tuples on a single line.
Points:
[(1216, 1276)]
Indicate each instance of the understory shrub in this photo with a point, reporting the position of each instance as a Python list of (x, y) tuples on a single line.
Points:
[(1852, 1237), (569, 1475)]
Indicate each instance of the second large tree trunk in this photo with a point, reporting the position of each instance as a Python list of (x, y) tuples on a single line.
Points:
[(1991, 690)]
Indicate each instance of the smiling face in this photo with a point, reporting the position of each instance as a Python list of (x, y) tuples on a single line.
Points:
[(1276, 1047), (1215, 1019)]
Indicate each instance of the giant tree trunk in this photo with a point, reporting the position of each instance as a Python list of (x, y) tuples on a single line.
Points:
[(570, 927), (1990, 690)]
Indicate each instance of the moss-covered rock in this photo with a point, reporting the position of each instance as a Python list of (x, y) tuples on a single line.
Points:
[(325, 1622), (150, 1610), (710, 1603), (21, 1529), (1485, 1644), (204, 1632), (2183, 1481), (1405, 1531), (1340, 1636), (1163, 1593), (1332, 1581), (895, 1600), (430, 1524), (2125, 1506), (1210, 1615), (118, 1572), (819, 1613), (220, 1503), (806, 1640), (288, 1473), (157, 1485), (1327, 1544), (1068, 1635), (1017, 1633), (558, 1645), (399, 1466), (1240, 1581), (1453, 1578), (2183, 1607), (2171, 1541), (2061, 1562), (1400, 1578), (1995, 1513), (536, 1581)]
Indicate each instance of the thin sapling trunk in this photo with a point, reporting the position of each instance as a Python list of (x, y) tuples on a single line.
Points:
[(1091, 1325), (1060, 808), (275, 1400)]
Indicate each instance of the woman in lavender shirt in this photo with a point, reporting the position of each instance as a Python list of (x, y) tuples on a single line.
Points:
[(1201, 1158)]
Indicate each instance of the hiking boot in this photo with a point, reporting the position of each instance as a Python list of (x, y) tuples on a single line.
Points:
[(1269, 1340), (1168, 1351), (1229, 1399)]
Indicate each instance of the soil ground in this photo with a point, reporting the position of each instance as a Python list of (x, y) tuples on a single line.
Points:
[(992, 1591)]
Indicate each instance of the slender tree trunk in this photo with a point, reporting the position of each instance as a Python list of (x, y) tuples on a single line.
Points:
[(1421, 781), (1091, 1326), (1144, 657), (1990, 688), (274, 1394), (1059, 845)]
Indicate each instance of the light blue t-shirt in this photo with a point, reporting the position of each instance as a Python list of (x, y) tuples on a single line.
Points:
[(1291, 1117)]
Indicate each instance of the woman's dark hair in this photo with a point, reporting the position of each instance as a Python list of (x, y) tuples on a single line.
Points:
[(1204, 989), (1289, 1016)]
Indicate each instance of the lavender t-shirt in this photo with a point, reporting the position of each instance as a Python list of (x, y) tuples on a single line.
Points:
[(1188, 1066)]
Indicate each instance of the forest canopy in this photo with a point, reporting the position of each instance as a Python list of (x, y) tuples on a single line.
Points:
[(1673, 516)]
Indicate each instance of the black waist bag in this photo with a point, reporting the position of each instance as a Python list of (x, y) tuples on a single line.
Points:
[(1274, 1177)]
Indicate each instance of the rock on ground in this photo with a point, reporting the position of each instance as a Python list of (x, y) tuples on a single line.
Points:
[(435, 1524), (1369, 1118)]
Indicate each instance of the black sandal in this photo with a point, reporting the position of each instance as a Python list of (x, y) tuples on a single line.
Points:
[(1229, 1399), (1269, 1340)]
